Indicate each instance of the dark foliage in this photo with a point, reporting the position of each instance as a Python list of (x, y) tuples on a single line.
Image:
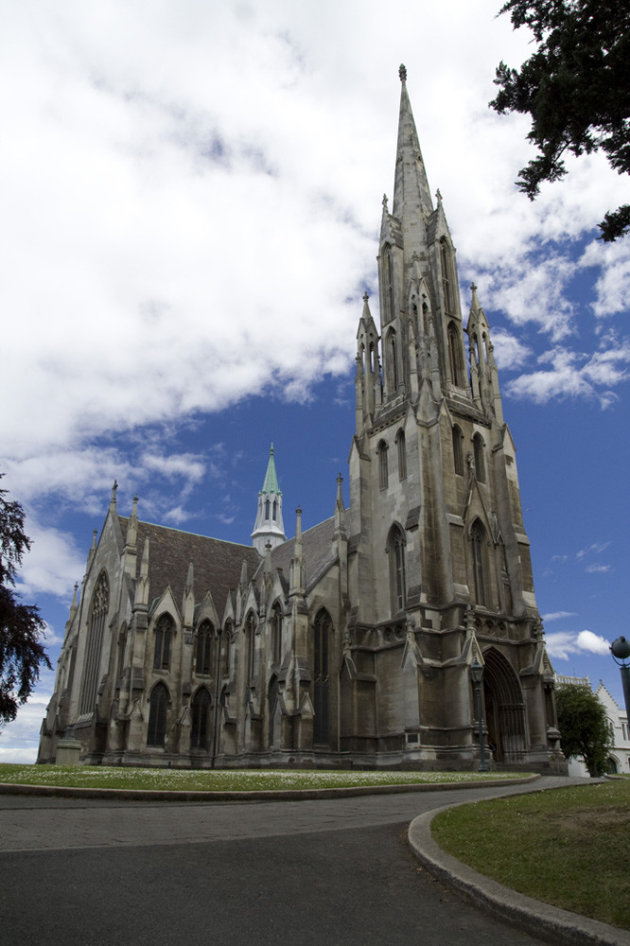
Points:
[(576, 87), (21, 650), (583, 726)]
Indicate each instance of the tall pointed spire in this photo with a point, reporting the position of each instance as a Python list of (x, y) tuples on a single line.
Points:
[(269, 527), (412, 197)]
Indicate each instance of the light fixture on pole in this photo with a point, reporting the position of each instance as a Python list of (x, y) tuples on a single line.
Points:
[(620, 650), (476, 677)]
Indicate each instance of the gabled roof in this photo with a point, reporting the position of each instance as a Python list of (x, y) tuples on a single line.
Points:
[(317, 548), (216, 564)]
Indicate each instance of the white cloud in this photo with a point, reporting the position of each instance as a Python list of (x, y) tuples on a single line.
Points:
[(574, 375), (563, 644), (558, 615), (594, 643), (596, 548), (597, 569)]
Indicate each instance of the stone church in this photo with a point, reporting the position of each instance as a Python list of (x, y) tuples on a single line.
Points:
[(352, 643)]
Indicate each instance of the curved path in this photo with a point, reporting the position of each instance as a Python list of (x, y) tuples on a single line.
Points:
[(93, 871)]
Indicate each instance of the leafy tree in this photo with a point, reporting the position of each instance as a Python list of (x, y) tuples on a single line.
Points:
[(583, 726), (576, 87), (21, 651)]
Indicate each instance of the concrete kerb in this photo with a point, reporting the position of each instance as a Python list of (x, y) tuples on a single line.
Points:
[(561, 926), (309, 794)]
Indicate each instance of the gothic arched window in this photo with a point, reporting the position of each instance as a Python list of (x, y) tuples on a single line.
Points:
[(163, 640), (158, 706), (388, 281), (480, 460), (205, 641), (383, 473), (250, 644), (391, 353), (276, 634), (458, 454), (402, 455), (228, 635), (447, 274), (321, 631), (200, 719), (454, 355), (397, 578), (99, 607), (478, 540)]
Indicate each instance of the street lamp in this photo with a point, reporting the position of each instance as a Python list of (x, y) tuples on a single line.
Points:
[(476, 676), (620, 650)]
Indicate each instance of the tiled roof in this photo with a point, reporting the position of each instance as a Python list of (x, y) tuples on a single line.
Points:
[(216, 564)]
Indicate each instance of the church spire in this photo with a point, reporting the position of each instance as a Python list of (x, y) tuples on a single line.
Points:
[(412, 197), (269, 527)]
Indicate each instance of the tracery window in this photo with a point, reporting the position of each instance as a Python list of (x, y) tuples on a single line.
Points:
[(163, 639), (396, 551), (99, 607), (200, 719), (158, 706), (205, 641)]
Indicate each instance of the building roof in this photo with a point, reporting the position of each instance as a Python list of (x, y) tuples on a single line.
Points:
[(216, 564), (318, 551)]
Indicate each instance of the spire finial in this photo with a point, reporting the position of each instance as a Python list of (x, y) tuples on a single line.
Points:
[(366, 296), (402, 73)]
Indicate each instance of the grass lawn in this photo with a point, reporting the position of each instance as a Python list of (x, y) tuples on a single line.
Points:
[(569, 847), (244, 780)]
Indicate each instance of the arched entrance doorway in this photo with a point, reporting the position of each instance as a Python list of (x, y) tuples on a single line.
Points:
[(505, 709)]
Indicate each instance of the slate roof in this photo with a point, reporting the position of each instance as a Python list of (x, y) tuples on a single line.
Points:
[(216, 564), (318, 551)]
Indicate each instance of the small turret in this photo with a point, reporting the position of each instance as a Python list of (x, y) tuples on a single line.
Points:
[(269, 527)]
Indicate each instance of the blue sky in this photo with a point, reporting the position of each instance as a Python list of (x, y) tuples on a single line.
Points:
[(190, 218)]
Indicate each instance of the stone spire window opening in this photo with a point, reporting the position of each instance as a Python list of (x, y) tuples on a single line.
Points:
[(447, 275), (454, 355)]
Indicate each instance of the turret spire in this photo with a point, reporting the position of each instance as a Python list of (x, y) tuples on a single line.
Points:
[(269, 527)]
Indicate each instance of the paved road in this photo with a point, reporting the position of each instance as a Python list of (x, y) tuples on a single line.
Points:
[(94, 873)]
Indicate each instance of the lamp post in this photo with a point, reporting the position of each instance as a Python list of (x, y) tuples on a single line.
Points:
[(476, 677), (620, 650)]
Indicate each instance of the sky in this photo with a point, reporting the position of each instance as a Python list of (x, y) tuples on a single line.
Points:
[(189, 218)]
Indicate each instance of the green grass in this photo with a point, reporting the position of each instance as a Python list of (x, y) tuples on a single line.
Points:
[(246, 780), (569, 847)]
